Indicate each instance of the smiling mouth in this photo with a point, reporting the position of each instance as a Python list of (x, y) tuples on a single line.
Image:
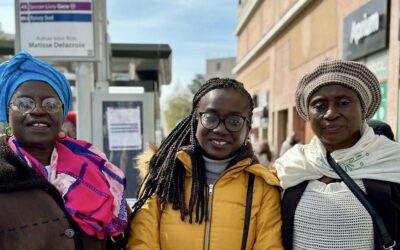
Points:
[(332, 128), (38, 125), (219, 142)]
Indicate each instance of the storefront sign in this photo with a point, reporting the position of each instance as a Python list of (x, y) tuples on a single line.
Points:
[(366, 30), (57, 29)]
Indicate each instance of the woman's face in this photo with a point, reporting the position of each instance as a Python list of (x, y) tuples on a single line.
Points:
[(219, 143), (336, 116), (38, 127)]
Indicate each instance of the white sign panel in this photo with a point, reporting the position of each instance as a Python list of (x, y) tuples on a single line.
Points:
[(57, 28), (124, 130)]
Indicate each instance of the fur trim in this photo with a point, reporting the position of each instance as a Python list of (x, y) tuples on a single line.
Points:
[(16, 175), (143, 161)]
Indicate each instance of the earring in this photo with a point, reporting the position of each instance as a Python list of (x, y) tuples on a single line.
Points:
[(8, 131), (61, 135), (247, 141)]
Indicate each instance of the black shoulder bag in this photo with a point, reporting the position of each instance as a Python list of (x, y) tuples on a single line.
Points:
[(386, 239), (249, 202)]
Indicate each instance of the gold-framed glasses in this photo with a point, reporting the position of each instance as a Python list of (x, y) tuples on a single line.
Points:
[(26, 105)]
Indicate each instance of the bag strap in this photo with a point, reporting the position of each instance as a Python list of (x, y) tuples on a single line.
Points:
[(388, 242), (249, 202)]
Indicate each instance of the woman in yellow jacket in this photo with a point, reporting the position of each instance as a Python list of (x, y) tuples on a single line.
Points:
[(204, 188)]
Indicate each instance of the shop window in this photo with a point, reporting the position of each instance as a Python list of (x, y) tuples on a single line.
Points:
[(218, 66), (255, 100)]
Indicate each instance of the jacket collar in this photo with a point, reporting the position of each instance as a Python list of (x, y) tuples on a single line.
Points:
[(244, 161), (186, 160), (244, 157), (16, 175)]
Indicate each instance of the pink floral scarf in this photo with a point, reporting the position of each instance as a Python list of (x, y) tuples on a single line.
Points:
[(92, 187)]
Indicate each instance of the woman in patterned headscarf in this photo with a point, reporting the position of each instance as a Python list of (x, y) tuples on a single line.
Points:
[(56, 192), (319, 211)]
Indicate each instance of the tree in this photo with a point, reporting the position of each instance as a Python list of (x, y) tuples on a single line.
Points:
[(178, 107), (197, 81), (179, 104)]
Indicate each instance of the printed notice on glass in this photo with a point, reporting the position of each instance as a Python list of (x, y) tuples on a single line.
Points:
[(61, 29), (124, 129)]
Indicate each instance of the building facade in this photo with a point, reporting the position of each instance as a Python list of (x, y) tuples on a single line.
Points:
[(281, 40), (220, 67)]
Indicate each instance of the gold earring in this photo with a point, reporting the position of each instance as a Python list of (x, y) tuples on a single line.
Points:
[(8, 131)]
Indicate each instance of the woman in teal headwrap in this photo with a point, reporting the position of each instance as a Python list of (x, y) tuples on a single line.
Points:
[(56, 192)]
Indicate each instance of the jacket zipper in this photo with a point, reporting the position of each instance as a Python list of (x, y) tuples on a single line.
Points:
[(207, 232), (208, 221)]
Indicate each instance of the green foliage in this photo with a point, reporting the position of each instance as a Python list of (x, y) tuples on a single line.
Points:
[(178, 107), (179, 104), (5, 36), (196, 83)]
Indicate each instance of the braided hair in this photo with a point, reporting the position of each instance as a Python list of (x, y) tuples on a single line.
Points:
[(166, 176)]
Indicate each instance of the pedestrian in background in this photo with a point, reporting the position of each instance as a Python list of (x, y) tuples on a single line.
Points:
[(265, 155), (205, 188), (381, 128), (55, 192), (69, 125), (288, 143), (342, 190)]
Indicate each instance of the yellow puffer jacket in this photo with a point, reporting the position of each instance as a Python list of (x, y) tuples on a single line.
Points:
[(153, 228)]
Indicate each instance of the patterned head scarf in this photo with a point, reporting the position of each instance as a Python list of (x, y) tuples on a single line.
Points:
[(23, 67), (349, 74)]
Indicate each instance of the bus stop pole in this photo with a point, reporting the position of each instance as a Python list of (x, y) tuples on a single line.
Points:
[(85, 86)]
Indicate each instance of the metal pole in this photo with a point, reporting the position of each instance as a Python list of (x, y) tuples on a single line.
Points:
[(103, 70), (85, 78), (85, 86)]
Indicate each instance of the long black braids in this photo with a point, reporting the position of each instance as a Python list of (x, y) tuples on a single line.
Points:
[(166, 176)]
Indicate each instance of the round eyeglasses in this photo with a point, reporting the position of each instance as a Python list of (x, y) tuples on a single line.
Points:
[(233, 123), (26, 105)]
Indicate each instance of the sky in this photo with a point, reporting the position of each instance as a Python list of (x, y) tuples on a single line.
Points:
[(196, 30)]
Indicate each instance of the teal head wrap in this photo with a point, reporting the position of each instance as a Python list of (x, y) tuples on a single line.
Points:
[(23, 67)]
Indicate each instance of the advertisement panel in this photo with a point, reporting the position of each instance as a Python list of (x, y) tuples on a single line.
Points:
[(123, 127)]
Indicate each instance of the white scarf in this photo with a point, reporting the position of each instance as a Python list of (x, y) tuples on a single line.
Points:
[(372, 157)]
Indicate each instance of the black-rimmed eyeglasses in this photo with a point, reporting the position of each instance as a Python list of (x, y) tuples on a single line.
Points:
[(233, 123), (26, 105)]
